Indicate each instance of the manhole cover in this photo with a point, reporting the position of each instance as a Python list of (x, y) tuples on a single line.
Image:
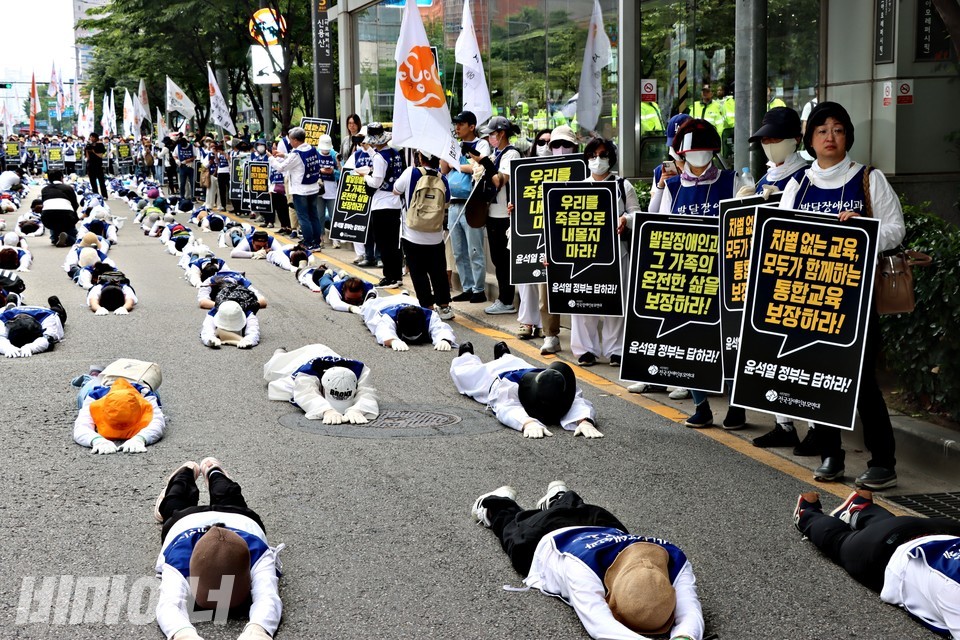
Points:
[(932, 505), (399, 423)]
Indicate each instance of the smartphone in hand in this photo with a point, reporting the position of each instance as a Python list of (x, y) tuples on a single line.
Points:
[(669, 168)]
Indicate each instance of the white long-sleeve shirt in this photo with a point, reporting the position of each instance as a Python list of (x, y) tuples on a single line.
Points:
[(50, 324), (250, 331), (566, 576), (175, 601), (85, 430), (292, 167), (243, 250), (384, 328), (483, 382), (128, 294), (884, 203), (923, 583)]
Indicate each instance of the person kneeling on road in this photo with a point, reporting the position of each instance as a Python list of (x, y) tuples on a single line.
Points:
[(214, 557), (26, 331), (229, 324), (324, 384), (399, 321), (119, 410), (523, 397), (620, 585)]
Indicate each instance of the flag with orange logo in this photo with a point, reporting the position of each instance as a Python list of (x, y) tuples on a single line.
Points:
[(219, 111), (421, 119), (34, 102), (142, 102), (178, 101)]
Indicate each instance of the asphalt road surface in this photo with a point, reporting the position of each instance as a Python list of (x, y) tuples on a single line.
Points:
[(379, 538)]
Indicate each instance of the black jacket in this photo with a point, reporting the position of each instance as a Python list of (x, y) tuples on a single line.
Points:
[(59, 206)]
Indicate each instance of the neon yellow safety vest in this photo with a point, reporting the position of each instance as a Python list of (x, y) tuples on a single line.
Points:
[(712, 113), (650, 120)]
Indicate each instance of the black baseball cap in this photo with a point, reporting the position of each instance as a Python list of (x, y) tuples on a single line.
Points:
[(466, 117), (779, 122)]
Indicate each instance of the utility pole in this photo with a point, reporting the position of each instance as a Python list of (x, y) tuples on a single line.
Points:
[(751, 83)]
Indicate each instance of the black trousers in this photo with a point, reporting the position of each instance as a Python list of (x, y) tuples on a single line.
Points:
[(497, 241), (97, 178), (520, 531), (865, 550), (69, 167), (877, 429), (223, 188), (385, 225), (171, 172), (428, 266), (281, 208), (182, 498)]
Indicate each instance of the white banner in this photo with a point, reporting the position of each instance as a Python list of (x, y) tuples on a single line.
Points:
[(264, 64), (178, 101), (128, 119), (219, 112), (476, 96), (142, 104), (421, 119)]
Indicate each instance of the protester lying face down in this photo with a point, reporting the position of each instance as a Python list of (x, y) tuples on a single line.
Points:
[(9, 259), (111, 297), (353, 291), (23, 329), (412, 325), (230, 324)]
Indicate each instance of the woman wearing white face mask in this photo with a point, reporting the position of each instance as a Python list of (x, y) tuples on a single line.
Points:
[(838, 185), (593, 336), (779, 135), (698, 191), (701, 186)]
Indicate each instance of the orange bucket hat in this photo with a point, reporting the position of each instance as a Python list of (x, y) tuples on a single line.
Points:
[(121, 413)]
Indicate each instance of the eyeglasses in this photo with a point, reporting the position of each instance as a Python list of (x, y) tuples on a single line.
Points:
[(823, 132), (542, 141), (556, 144)]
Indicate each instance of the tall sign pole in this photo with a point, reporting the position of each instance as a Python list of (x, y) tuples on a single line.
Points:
[(324, 99)]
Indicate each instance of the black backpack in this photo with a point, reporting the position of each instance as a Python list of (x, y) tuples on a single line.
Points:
[(238, 293), (113, 277)]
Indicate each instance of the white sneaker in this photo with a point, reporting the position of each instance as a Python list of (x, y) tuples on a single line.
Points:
[(446, 313), (336, 244), (679, 394), (645, 387), (551, 344), (498, 308), (554, 489), (480, 513)]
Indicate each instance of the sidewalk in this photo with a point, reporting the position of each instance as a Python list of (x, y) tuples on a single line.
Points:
[(928, 455)]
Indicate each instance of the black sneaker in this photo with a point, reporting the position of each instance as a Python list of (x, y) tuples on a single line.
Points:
[(500, 349), (615, 360), (466, 347), (736, 418), (830, 469), (478, 296), (63, 240), (370, 295), (777, 437), (703, 417), (462, 297), (587, 360), (54, 303), (809, 445), (806, 502), (877, 478), (389, 283)]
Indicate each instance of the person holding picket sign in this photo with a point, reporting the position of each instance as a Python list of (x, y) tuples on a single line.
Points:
[(425, 194)]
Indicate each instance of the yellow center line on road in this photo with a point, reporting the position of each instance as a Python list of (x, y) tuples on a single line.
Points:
[(729, 440)]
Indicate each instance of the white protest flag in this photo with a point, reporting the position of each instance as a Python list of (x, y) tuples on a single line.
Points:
[(52, 87), (4, 118), (142, 103), (105, 117), (178, 101), (595, 57), (128, 122), (366, 111), (219, 112), (75, 94), (162, 131), (476, 96), (81, 120), (91, 113), (62, 95), (114, 129), (421, 119)]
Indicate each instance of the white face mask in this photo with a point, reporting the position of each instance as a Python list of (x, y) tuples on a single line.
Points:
[(780, 151), (698, 158), (561, 151), (543, 150), (261, 148), (599, 166)]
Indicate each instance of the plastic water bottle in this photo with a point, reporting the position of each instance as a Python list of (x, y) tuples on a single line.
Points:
[(748, 177)]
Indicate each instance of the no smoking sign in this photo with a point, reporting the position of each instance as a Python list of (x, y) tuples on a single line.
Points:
[(905, 92)]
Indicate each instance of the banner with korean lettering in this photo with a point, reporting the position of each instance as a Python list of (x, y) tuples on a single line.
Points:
[(351, 214), (199, 191), (237, 175), (672, 329), (54, 157), (806, 315), (736, 230), (527, 244), (258, 185), (583, 251), (12, 150), (124, 158), (316, 127)]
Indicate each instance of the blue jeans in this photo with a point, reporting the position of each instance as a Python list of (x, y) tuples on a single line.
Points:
[(308, 213), (326, 281), (467, 245), (185, 172), (70, 231), (327, 206)]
